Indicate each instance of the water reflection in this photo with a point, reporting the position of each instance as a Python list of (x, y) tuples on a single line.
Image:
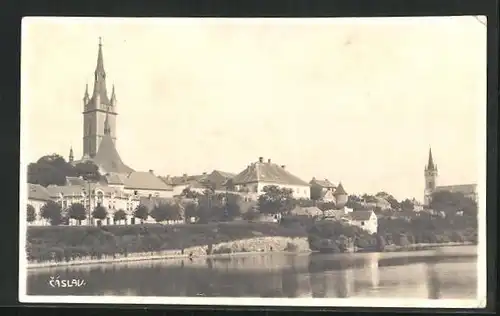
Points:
[(391, 275)]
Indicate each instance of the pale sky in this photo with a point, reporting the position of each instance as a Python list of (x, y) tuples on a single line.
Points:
[(352, 100)]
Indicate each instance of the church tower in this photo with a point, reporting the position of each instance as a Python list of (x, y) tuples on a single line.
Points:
[(430, 174), (98, 108)]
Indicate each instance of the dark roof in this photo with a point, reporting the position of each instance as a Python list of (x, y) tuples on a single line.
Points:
[(184, 179), (340, 190), (307, 211), (360, 215), (267, 172), (146, 181), (462, 188), (75, 181), (37, 192), (322, 183), (108, 159)]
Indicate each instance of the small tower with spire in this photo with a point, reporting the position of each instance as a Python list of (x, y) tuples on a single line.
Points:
[(71, 158), (340, 195), (99, 113), (430, 175)]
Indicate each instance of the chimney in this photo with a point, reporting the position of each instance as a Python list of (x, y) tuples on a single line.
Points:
[(204, 173), (283, 166), (269, 160), (261, 159), (151, 171)]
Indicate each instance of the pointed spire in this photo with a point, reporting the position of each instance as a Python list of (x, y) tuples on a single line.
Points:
[(340, 190), (71, 156), (430, 163), (100, 78), (113, 95)]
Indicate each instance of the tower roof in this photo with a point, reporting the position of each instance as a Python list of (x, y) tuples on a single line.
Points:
[(340, 190), (108, 159), (100, 77), (430, 163)]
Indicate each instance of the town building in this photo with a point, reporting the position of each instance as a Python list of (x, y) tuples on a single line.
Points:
[(322, 190), (340, 195), (366, 220), (258, 175), (38, 196), (431, 175)]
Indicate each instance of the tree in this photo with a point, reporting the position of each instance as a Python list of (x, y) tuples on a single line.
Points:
[(190, 194), (78, 212), (233, 206), (380, 243), (50, 169), (160, 213), (120, 215), (52, 212), (316, 192), (30, 213), (87, 170), (407, 205), (451, 202), (100, 212), (276, 200), (191, 210), (141, 212)]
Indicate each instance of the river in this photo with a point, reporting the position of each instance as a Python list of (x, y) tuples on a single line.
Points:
[(450, 273)]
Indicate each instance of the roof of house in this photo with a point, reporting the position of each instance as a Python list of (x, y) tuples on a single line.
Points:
[(108, 159), (78, 190), (267, 172), (340, 189), (145, 180), (309, 211), (115, 178), (322, 183), (38, 192), (185, 179), (75, 181), (334, 213), (360, 215), (227, 175), (462, 188)]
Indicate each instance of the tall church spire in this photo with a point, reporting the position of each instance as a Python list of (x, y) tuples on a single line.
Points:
[(430, 163), (107, 129), (100, 78)]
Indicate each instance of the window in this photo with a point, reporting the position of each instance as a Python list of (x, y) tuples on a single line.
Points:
[(363, 223)]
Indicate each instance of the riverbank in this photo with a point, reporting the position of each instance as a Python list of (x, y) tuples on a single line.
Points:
[(177, 254)]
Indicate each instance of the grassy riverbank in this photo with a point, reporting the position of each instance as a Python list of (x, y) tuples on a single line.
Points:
[(64, 243)]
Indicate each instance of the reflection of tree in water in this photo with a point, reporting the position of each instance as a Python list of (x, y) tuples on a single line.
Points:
[(289, 283), (342, 283), (318, 284), (433, 282)]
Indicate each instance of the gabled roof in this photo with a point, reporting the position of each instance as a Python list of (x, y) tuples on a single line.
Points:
[(115, 178), (183, 180), (74, 181), (334, 213), (108, 159), (267, 172), (322, 183), (360, 215), (308, 211), (38, 192), (462, 188), (340, 190), (227, 175), (146, 181)]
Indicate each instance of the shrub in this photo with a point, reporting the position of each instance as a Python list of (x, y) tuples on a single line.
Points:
[(291, 247), (30, 214)]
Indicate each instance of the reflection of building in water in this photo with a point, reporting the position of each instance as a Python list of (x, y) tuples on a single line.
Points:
[(374, 272), (339, 283), (433, 283), (318, 284)]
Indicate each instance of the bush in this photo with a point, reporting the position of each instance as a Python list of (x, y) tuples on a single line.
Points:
[(291, 247)]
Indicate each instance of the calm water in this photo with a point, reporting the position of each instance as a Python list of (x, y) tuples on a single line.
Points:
[(450, 273)]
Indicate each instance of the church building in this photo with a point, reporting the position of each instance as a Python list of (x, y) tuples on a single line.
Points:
[(431, 174)]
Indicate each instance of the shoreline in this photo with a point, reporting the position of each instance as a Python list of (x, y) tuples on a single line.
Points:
[(392, 248)]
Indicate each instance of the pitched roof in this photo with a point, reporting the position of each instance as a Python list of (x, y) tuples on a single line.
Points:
[(334, 213), (309, 211), (462, 188), (115, 178), (360, 215), (430, 163), (37, 192), (75, 181), (340, 190), (108, 159), (322, 183), (146, 181), (184, 179), (225, 174), (267, 172)]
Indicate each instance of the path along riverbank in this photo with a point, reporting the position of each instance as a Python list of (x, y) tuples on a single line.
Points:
[(238, 248)]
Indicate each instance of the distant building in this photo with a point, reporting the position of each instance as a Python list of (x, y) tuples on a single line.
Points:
[(340, 195), (195, 183), (366, 220), (311, 211), (38, 196), (325, 188), (431, 174), (255, 177)]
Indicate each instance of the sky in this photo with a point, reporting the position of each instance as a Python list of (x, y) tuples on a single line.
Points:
[(353, 100)]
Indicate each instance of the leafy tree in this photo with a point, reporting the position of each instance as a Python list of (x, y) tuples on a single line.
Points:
[(191, 210), (120, 215), (380, 243), (78, 212), (451, 202), (141, 212), (316, 192), (30, 214), (276, 200), (233, 206), (88, 170), (394, 203), (52, 212), (407, 205), (160, 213), (190, 194), (100, 212)]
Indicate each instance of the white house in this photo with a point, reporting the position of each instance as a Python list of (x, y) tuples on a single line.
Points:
[(366, 220), (253, 179), (37, 197)]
